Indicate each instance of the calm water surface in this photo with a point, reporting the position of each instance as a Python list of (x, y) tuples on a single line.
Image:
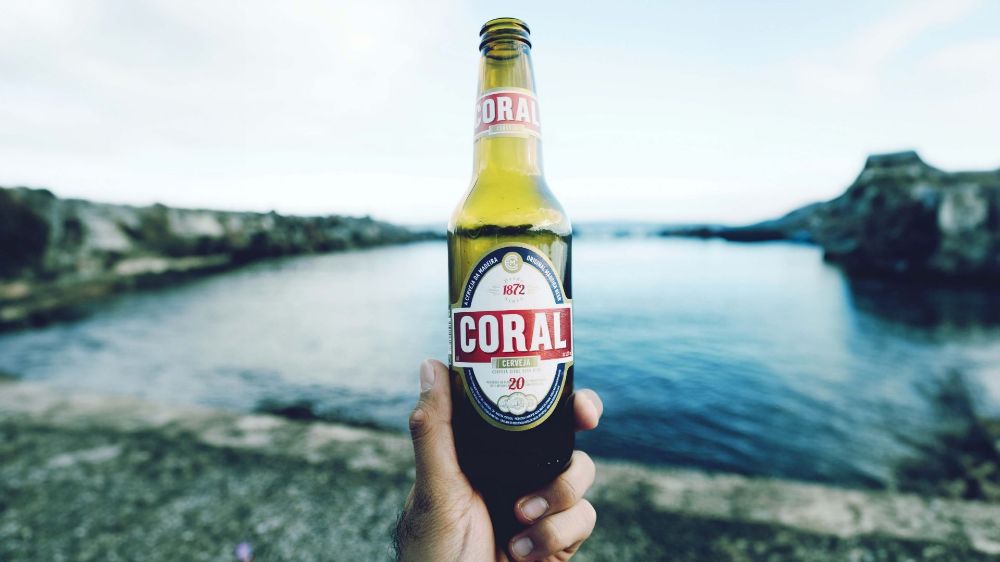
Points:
[(757, 359)]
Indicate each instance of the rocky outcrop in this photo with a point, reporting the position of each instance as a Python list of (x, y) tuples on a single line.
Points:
[(899, 217), (902, 216), (58, 252)]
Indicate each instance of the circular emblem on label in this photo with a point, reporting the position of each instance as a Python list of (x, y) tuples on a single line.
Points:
[(512, 336), (512, 262)]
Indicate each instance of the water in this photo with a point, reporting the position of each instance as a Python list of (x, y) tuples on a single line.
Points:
[(758, 359)]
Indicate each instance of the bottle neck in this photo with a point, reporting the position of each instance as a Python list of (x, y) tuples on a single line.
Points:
[(508, 138)]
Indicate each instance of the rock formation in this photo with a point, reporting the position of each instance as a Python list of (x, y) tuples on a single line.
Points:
[(899, 217), (56, 252)]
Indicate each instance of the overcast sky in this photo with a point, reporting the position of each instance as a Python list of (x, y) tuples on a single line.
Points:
[(668, 111)]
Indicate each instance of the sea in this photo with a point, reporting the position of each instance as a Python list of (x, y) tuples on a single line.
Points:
[(758, 359)]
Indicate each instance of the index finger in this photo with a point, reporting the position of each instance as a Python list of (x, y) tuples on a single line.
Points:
[(587, 409)]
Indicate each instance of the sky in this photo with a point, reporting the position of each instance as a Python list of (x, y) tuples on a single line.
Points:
[(714, 111)]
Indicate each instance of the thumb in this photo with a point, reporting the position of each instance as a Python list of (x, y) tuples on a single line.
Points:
[(430, 429)]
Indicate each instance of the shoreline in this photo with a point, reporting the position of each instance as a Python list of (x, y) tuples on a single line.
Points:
[(25, 305), (66, 253), (960, 462), (107, 475)]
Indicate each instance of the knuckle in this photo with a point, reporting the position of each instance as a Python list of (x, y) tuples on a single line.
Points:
[(551, 536), (564, 492), (419, 422), (596, 398), (586, 464), (589, 515), (570, 486)]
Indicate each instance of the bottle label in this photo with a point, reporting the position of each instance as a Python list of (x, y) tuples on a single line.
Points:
[(512, 337), (507, 112)]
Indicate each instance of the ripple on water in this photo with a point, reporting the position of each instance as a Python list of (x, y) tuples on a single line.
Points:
[(758, 359)]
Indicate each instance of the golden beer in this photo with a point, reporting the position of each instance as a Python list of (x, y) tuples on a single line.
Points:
[(510, 288)]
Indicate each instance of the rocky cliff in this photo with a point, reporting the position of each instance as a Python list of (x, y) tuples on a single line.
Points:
[(55, 253), (899, 217)]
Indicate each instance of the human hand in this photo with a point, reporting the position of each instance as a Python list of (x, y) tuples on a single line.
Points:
[(445, 519)]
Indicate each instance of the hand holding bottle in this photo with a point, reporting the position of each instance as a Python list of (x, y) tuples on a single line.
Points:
[(446, 519)]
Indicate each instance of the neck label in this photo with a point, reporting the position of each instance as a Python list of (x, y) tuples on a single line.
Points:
[(507, 112)]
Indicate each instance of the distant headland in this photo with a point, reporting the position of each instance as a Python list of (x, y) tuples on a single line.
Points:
[(900, 217), (58, 253)]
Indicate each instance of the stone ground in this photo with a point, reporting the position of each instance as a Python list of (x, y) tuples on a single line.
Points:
[(95, 478)]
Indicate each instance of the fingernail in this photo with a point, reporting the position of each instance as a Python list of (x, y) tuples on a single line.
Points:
[(534, 508), (426, 376), (522, 547)]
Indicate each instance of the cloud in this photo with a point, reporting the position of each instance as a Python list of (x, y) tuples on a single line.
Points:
[(968, 84), (853, 72), (319, 105), (252, 74), (978, 56)]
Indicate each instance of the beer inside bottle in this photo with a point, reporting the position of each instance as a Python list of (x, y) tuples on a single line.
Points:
[(510, 289)]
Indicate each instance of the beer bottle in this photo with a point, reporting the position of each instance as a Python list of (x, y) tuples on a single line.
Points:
[(510, 291)]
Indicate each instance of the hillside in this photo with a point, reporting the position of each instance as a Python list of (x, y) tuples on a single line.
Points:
[(57, 253), (900, 217)]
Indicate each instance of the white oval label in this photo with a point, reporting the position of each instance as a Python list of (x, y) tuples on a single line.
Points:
[(512, 337)]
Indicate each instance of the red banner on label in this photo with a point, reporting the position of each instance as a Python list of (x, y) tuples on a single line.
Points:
[(510, 107), (480, 336)]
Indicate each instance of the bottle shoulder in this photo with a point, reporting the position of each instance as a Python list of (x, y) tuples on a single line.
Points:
[(523, 202)]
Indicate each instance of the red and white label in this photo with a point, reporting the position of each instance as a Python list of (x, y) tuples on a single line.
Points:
[(483, 335), (512, 336), (507, 112)]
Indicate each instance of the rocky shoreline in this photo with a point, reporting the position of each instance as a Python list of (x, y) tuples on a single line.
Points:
[(90, 477), (900, 218), (61, 253)]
